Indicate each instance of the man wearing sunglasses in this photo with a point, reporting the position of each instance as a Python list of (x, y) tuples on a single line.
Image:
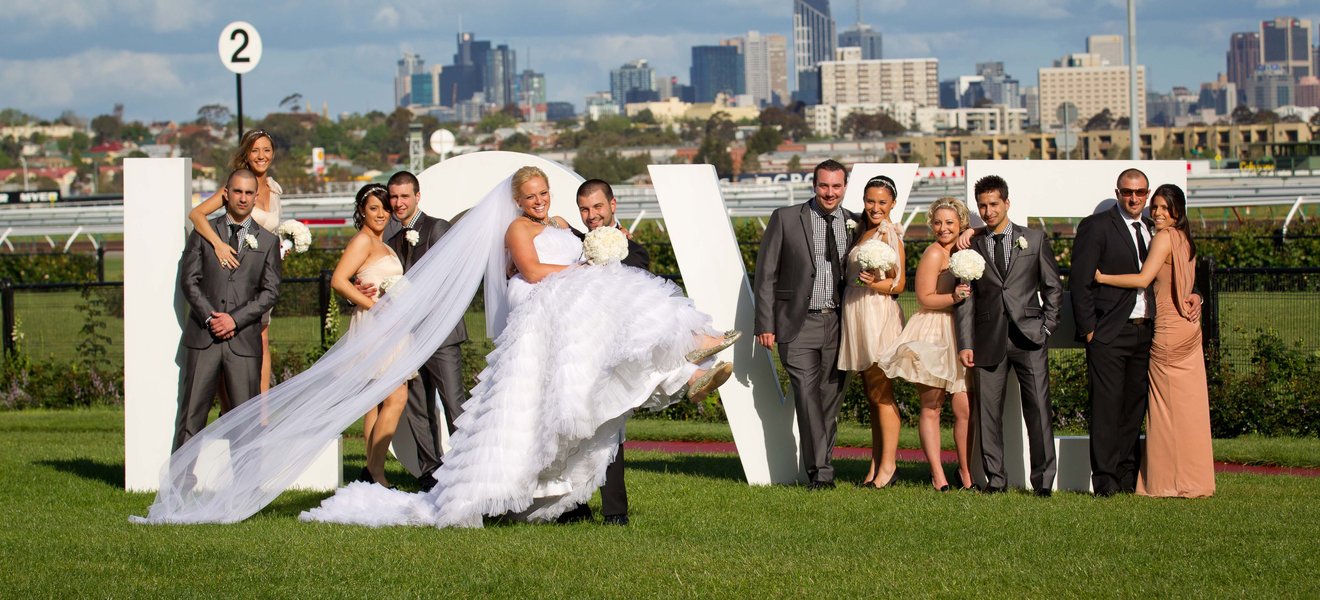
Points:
[(1116, 325)]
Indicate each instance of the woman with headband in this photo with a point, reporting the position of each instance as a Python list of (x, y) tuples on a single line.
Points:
[(872, 322)]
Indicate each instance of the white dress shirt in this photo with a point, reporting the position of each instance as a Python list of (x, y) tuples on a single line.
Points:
[(1142, 308)]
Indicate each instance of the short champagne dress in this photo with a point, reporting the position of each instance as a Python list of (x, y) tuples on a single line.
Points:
[(872, 320), (927, 350)]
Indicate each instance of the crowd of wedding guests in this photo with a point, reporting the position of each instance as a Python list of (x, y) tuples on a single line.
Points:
[(1132, 290), (1135, 306)]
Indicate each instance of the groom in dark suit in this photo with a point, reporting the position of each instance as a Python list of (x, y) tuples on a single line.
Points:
[(798, 288), (596, 205), (411, 233), (222, 333), (1117, 326), (1006, 323)]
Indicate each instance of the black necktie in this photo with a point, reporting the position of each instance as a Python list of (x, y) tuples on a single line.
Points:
[(1001, 255), (832, 254), (1141, 242), (233, 235)]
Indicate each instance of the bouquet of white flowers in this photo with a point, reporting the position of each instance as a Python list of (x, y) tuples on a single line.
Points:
[(391, 283), (604, 245), (294, 235), (875, 255), (967, 265)]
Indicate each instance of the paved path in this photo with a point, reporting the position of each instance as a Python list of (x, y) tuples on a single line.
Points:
[(909, 455)]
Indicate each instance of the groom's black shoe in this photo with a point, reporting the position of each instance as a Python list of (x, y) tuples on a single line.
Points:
[(426, 482), (1044, 492), (581, 513), (620, 520)]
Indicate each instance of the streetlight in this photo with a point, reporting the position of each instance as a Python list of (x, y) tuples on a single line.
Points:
[(1134, 128), (22, 160)]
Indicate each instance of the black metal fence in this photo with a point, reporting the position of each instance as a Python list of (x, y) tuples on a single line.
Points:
[(50, 321)]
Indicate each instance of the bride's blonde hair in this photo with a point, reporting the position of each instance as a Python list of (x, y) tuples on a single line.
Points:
[(524, 175)]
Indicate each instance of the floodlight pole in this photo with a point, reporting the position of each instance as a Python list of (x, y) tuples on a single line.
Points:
[(1134, 127)]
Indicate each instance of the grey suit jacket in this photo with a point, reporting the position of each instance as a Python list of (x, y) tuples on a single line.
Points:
[(245, 293), (430, 230), (983, 319), (785, 270)]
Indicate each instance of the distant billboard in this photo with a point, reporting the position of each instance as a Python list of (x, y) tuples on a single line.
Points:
[(30, 196)]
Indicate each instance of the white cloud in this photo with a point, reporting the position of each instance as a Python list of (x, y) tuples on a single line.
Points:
[(1275, 3), (111, 75), (161, 16)]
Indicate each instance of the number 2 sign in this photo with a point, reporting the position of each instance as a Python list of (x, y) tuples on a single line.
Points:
[(240, 47)]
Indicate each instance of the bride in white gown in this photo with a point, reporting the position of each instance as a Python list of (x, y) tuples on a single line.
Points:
[(583, 347)]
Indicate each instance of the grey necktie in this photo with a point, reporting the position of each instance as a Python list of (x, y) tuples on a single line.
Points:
[(1001, 255)]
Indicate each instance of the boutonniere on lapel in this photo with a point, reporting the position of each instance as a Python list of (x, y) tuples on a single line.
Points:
[(412, 236), (1022, 242), (851, 225), (251, 241)]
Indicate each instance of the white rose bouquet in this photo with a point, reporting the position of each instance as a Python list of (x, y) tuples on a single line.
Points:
[(604, 245), (392, 282), (875, 255), (967, 265), (295, 236)]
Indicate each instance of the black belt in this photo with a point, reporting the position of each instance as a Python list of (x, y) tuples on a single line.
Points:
[(1139, 320), (820, 311)]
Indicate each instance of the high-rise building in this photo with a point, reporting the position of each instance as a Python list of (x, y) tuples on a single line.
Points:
[(1308, 92), (765, 68), (1220, 95), (466, 77), (1243, 56), (887, 81), (1031, 102), (633, 82), (1271, 87), (1090, 88), (997, 86), (1286, 42), (715, 70), (501, 73), (814, 41), (1109, 47), (409, 65), (531, 88), (862, 36)]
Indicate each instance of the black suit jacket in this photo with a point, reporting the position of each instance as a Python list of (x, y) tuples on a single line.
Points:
[(1103, 242), (429, 230), (785, 271), (245, 293)]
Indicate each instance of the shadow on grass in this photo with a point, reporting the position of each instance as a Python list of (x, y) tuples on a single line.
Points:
[(111, 474), (847, 471)]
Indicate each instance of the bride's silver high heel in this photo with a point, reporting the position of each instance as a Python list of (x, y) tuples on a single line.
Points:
[(709, 381), (701, 354)]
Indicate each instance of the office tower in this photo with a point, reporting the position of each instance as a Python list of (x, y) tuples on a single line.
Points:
[(862, 36), (813, 42), (1285, 42), (1109, 47), (765, 68), (409, 65), (1220, 95), (1270, 88), (998, 86), (1090, 88), (1243, 56), (1031, 102), (466, 77), (633, 82), (1308, 92), (715, 70), (531, 88), (499, 76)]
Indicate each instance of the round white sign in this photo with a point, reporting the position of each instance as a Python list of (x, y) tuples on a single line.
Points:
[(240, 47), (442, 141)]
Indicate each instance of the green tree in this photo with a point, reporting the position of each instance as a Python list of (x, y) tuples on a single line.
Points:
[(517, 142), (13, 116), (644, 117), (794, 163), (766, 139), (867, 125), (214, 115), (494, 121), (1101, 121), (107, 128), (790, 122)]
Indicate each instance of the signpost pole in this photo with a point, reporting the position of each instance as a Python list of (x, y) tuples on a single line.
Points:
[(238, 78)]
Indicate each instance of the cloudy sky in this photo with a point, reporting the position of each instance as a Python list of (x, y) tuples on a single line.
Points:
[(159, 57)]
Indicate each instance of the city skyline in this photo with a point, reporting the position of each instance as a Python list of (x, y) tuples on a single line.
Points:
[(160, 60)]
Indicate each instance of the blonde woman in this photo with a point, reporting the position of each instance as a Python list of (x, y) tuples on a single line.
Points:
[(926, 353)]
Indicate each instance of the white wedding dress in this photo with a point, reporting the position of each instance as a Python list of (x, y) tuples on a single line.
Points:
[(582, 349)]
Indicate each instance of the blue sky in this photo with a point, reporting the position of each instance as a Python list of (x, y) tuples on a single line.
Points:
[(159, 57)]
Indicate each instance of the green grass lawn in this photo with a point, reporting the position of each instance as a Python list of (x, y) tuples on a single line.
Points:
[(697, 531)]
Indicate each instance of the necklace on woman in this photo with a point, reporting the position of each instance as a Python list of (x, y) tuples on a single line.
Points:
[(544, 222)]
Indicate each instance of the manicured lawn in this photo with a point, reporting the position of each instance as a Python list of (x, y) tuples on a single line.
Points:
[(697, 530)]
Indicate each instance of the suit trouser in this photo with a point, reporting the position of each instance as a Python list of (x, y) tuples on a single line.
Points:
[(442, 372), (1119, 383), (1031, 364), (812, 364), (203, 369)]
